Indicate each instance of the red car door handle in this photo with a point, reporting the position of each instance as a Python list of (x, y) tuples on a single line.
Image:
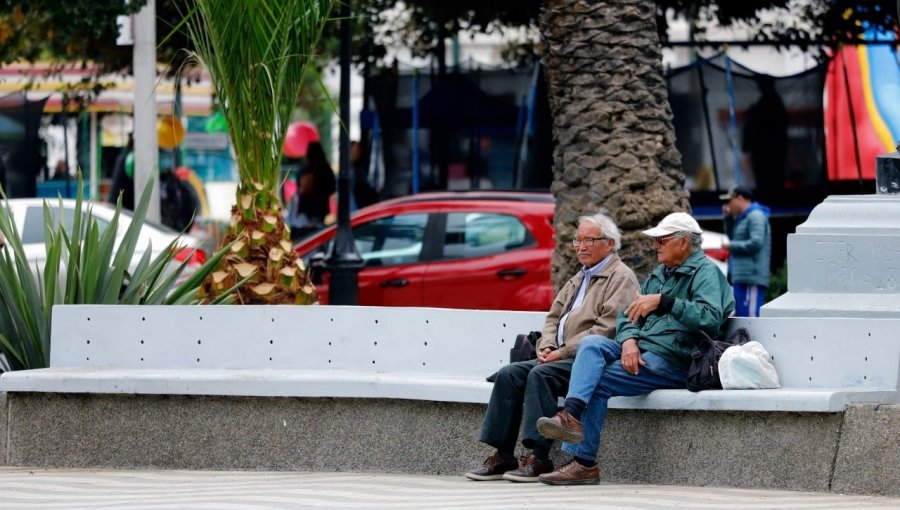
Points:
[(395, 282), (511, 273)]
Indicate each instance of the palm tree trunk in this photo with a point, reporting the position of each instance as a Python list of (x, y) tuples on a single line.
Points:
[(612, 124)]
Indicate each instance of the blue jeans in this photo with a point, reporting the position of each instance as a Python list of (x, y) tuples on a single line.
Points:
[(597, 375)]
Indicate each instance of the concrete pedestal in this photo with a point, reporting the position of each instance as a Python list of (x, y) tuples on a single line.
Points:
[(844, 261)]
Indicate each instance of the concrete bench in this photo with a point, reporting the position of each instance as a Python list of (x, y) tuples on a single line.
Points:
[(403, 390), (413, 353)]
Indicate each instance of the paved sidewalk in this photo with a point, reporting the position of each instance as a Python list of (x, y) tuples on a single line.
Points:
[(22, 488)]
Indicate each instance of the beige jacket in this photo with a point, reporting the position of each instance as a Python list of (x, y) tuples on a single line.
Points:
[(607, 295)]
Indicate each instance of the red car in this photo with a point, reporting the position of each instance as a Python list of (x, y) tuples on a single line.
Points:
[(477, 250)]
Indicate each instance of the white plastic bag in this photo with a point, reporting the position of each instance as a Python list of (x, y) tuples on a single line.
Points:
[(747, 367)]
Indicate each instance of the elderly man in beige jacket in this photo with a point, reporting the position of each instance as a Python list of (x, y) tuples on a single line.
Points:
[(588, 304)]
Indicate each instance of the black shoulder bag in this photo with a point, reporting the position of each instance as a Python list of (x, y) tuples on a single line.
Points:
[(703, 373), (525, 347)]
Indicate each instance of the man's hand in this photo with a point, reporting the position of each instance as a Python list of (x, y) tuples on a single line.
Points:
[(642, 307), (548, 355), (631, 356)]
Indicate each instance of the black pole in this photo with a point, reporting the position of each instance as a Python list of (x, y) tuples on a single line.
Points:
[(859, 170), (709, 134), (344, 261)]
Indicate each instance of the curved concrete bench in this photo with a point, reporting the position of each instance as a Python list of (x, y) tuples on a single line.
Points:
[(403, 390), (413, 353)]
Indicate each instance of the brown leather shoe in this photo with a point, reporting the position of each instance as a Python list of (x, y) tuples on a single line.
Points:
[(563, 427), (530, 468), (492, 469), (572, 473)]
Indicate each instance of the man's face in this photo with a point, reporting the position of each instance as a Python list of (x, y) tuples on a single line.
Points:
[(590, 256), (738, 204), (672, 250)]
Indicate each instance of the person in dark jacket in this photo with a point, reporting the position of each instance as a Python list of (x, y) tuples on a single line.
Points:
[(588, 304), (123, 178), (749, 249), (650, 350), (315, 184)]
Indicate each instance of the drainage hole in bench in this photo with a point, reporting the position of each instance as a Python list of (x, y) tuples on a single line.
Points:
[(270, 359), (376, 343), (810, 378), (143, 319), (198, 342), (426, 321), (810, 358), (88, 341), (271, 342), (376, 321), (867, 358), (329, 361), (423, 363), (142, 342), (142, 360), (198, 360), (426, 343), (89, 319), (201, 317), (373, 361), (88, 359)]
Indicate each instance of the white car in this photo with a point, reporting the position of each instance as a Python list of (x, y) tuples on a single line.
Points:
[(714, 247), (28, 214)]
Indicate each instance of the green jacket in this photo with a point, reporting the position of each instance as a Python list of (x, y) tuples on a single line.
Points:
[(702, 300)]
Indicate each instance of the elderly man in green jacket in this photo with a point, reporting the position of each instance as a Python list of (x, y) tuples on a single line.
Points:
[(651, 349), (588, 304)]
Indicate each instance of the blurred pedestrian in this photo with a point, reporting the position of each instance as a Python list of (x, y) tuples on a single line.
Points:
[(315, 185), (749, 249), (122, 177), (363, 192)]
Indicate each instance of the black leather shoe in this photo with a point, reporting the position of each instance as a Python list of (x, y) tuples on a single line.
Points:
[(493, 468), (530, 468)]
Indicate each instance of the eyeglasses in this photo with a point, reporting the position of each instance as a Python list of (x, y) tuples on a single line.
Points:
[(664, 239), (587, 241)]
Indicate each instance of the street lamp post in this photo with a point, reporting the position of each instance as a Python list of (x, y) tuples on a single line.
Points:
[(344, 261)]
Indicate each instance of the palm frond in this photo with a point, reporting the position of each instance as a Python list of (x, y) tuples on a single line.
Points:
[(256, 52)]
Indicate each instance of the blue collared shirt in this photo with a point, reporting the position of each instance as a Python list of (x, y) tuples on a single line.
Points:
[(588, 273)]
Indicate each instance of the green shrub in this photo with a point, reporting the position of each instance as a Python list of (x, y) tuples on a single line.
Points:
[(83, 267), (777, 283)]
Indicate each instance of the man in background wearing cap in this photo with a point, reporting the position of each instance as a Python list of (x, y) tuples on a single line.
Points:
[(651, 348), (749, 249)]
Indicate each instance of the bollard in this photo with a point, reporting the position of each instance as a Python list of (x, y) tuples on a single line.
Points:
[(887, 173)]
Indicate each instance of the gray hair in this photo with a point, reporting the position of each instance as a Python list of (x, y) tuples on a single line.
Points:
[(607, 226), (695, 238)]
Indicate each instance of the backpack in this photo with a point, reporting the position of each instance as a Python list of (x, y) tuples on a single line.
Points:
[(703, 373)]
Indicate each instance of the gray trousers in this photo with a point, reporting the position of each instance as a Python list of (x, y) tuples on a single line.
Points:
[(524, 390)]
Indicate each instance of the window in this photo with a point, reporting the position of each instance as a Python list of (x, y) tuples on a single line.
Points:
[(471, 235), (391, 241), (33, 227)]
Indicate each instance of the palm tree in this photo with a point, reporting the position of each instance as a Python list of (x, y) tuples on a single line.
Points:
[(256, 52), (612, 123)]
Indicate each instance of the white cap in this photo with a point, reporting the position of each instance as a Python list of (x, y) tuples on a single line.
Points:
[(675, 222)]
